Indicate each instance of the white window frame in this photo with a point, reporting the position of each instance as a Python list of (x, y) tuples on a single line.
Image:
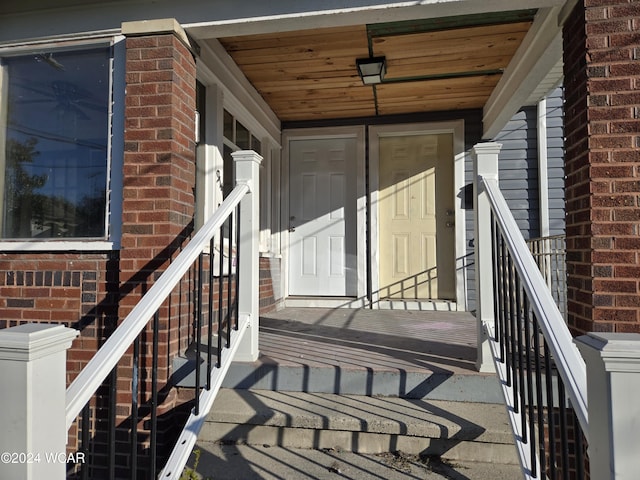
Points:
[(247, 111), (115, 147)]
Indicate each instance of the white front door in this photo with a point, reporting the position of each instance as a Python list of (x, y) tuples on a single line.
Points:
[(322, 222)]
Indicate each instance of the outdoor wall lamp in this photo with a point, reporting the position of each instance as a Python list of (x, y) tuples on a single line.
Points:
[(371, 70)]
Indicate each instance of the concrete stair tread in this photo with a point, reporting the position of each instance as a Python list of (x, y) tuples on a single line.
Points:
[(385, 415), (254, 462), (362, 424)]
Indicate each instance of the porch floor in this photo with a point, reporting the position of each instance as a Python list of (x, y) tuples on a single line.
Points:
[(408, 353)]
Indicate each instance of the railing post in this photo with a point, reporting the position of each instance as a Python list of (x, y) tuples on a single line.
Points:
[(32, 395), (486, 165), (613, 390), (247, 163)]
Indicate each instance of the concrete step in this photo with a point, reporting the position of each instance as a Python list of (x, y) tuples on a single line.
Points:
[(361, 424), (255, 462), (267, 374)]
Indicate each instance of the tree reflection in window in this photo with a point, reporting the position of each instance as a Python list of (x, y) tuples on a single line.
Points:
[(56, 117)]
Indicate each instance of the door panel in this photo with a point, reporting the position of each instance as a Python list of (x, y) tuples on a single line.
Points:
[(322, 246), (416, 223)]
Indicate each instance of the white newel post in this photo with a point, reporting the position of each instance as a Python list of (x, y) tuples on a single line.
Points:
[(613, 393), (486, 165), (33, 434), (247, 163)]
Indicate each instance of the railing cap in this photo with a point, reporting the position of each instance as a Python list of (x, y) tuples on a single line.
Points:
[(617, 350), (31, 341)]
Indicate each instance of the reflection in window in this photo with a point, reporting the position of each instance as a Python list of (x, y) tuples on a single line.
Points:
[(54, 113)]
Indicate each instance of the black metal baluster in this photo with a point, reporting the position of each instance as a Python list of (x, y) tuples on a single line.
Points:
[(111, 435), (220, 297), (579, 447), (210, 312), (237, 276), (502, 301), (507, 315), (532, 430), (521, 357), (550, 410), (495, 276), (153, 430), (539, 401), (512, 335), (135, 382), (198, 318), (84, 446), (564, 439), (229, 269)]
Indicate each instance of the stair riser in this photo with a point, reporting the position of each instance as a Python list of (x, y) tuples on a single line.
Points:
[(358, 442), (435, 386)]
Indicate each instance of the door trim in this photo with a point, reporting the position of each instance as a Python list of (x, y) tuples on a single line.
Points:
[(357, 132), (456, 128)]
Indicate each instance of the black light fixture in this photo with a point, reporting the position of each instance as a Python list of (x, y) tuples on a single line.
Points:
[(372, 69)]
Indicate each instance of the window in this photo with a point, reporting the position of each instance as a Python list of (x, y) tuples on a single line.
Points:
[(54, 144), (236, 137)]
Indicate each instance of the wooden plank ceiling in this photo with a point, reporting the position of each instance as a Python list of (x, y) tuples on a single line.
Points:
[(450, 64)]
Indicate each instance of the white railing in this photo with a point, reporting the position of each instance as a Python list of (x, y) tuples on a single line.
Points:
[(96, 371), (527, 335), (569, 401), (240, 342)]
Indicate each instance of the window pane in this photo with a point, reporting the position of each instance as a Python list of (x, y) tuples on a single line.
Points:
[(256, 146), (242, 137), (55, 156), (227, 172), (228, 126)]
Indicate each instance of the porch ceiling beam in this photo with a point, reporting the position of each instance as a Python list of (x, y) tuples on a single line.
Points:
[(539, 52), (207, 19)]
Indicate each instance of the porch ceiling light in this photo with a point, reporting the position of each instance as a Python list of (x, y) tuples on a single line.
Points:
[(371, 70)]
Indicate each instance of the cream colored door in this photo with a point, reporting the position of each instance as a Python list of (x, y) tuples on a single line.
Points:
[(416, 217)]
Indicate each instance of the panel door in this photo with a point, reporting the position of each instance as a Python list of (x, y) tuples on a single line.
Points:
[(322, 208), (416, 212)]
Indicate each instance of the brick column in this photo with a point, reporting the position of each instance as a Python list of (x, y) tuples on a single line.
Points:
[(158, 194), (602, 111), (159, 158)]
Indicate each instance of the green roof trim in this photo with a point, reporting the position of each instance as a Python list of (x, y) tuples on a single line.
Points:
[(448, 23), (443, 76)]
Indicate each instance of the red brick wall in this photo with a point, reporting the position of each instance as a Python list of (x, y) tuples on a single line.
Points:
[(269, 274), (159, 173), (602, 125), (78, 290)]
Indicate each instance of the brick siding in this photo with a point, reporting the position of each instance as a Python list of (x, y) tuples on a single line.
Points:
[(602, 128)]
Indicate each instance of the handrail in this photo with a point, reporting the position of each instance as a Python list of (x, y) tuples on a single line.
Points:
[(107, 357), (568, 360)]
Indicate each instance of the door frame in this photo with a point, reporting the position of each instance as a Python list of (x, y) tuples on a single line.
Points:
[(358, 133), (454, 127)]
